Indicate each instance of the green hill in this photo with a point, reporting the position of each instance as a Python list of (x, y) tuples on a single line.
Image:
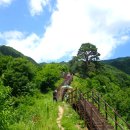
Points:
[(122, 64), (9, 51), (110, 78), (26, 88), (112, 84)]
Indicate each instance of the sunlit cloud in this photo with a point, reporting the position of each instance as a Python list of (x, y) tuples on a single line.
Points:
[(80, 21), (5, 2), (37, 6), (11, 35), (105, 23)]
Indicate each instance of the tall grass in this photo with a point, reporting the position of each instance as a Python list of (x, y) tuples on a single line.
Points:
[(71, 120), (41, 115), (40, 112)]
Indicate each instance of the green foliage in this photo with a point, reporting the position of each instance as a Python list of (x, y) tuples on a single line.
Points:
[(85, 63), (9, 51), (120, 63), (6, 50), (4, 60), (87, 53), (31, 110), (49, 75), (21, 106), (113, 85), (4, 106), (37, 112), (75, 65), (71, 119), (19, 73)]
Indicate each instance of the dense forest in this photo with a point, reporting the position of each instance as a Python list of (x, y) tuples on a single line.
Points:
[(24, 83), (122, 64)]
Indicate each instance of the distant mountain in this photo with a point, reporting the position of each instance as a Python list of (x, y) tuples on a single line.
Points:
[(122, 64), (9, 51)]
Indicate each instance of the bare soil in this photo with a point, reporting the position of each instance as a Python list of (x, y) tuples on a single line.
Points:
[(60, 115)]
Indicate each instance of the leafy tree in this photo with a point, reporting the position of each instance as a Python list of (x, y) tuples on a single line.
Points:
[(85, 63), (4, 60), (88, 53), (18, 74), (4, 106), (74, 65), (49, 75)]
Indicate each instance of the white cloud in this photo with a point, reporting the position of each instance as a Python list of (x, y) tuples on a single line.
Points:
[(11, 35), (101, 22), (5, 2), (79, 21), (37, 6), (26, 44)]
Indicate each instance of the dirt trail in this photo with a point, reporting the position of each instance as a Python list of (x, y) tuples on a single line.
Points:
[(60, 114), (79, 127)]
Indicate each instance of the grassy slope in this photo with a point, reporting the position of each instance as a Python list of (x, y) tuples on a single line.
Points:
[(71, 120), (41, 113)]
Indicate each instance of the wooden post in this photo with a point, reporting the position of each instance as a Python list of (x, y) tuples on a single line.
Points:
[(106, 111), (92, 97), (69, 98), (80, 96), (87, 97), (91, 114), (85, 120), (115, 121), (98, 103), (103, 127), (75, 96)]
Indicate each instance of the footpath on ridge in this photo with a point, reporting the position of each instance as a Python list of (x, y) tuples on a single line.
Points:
[(60, 115), (87, 110)]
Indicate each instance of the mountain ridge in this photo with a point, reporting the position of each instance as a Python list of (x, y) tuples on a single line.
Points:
[(10, 51), (121, 63)]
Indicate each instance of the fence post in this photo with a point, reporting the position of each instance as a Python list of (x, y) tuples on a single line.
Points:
[(80, 96), (85, 122), (103, 126), (71, 97), (98, 102), (115, 121), (87, 97), (91, 114), (75, 96), (92, 97), (106, 111)]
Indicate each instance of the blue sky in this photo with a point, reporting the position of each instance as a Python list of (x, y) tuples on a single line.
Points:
[(53, 30)]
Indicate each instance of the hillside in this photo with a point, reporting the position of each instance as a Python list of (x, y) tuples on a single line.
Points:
[(110, 81), (9, 51), (23, 89), (26, 89), (122, 64)]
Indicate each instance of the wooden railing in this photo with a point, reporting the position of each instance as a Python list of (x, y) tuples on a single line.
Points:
[(110, 114)]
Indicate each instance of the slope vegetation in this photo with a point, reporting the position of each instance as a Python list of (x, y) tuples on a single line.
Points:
[(9, 51), (122, 64)]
